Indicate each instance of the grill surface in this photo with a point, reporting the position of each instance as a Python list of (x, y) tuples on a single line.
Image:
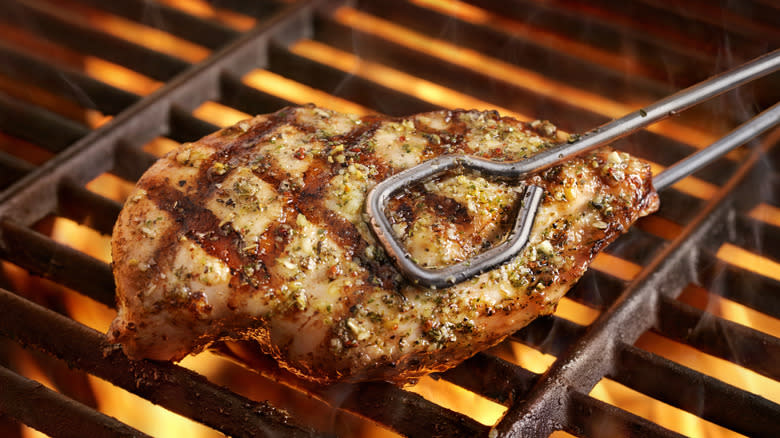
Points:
[(576, 63)]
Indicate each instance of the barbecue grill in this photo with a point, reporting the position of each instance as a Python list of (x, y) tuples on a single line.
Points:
[(90, 91)]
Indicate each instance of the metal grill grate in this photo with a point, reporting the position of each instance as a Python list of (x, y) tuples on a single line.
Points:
[(576, 63)]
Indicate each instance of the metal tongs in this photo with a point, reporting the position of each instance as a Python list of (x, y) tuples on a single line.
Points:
[(517, 238)]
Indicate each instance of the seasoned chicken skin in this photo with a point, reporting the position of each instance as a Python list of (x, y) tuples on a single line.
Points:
[(257, 232)]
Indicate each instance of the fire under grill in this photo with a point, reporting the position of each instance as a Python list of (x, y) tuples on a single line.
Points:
[(92, 91)]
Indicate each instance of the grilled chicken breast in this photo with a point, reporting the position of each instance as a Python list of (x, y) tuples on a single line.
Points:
[(258, 232)]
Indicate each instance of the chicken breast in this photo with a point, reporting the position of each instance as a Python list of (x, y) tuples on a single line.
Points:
[(258, 232)]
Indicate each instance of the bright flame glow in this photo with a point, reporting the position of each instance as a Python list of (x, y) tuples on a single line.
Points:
[(298, 93), (458, 399), (150, 37), (30, 369), (203, 9), (576, 312), (661, 413), (716, 367), (158, 422), (44, 99), (540, 36), (747, 260), (615, 266), (660, 227), (119, 76), (766, 213), (160, 146), (515, 75), (530, 358), (395, 79), (730, 310), (219, 114), (145, 416)]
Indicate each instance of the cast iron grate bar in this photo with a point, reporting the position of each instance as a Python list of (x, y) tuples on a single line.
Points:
[(256, 8), (87, 208), (685, 388), (173, 387), (170, 20), (736, 343), (55, 414), (636, 246), (739, 285), (71, 85), (49, 259), (402, 411), (592, 417), (659, 43), (185, 127), (12, 168), (131, 162), (363, 400), (665, 151), (354, 88), (755, 18), (697, 11), (502, 45), (238, 95), (147, 119), (756, 236), (492, 377), (679, 207), (37, 125), (62, 28), (597, 289), (550, 334), (450, 75)]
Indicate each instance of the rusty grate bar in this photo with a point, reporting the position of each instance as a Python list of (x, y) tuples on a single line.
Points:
[(166, 384)]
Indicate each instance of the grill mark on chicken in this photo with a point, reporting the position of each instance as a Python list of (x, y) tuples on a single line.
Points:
[(448, 208), (343, 232), (202, 227)]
